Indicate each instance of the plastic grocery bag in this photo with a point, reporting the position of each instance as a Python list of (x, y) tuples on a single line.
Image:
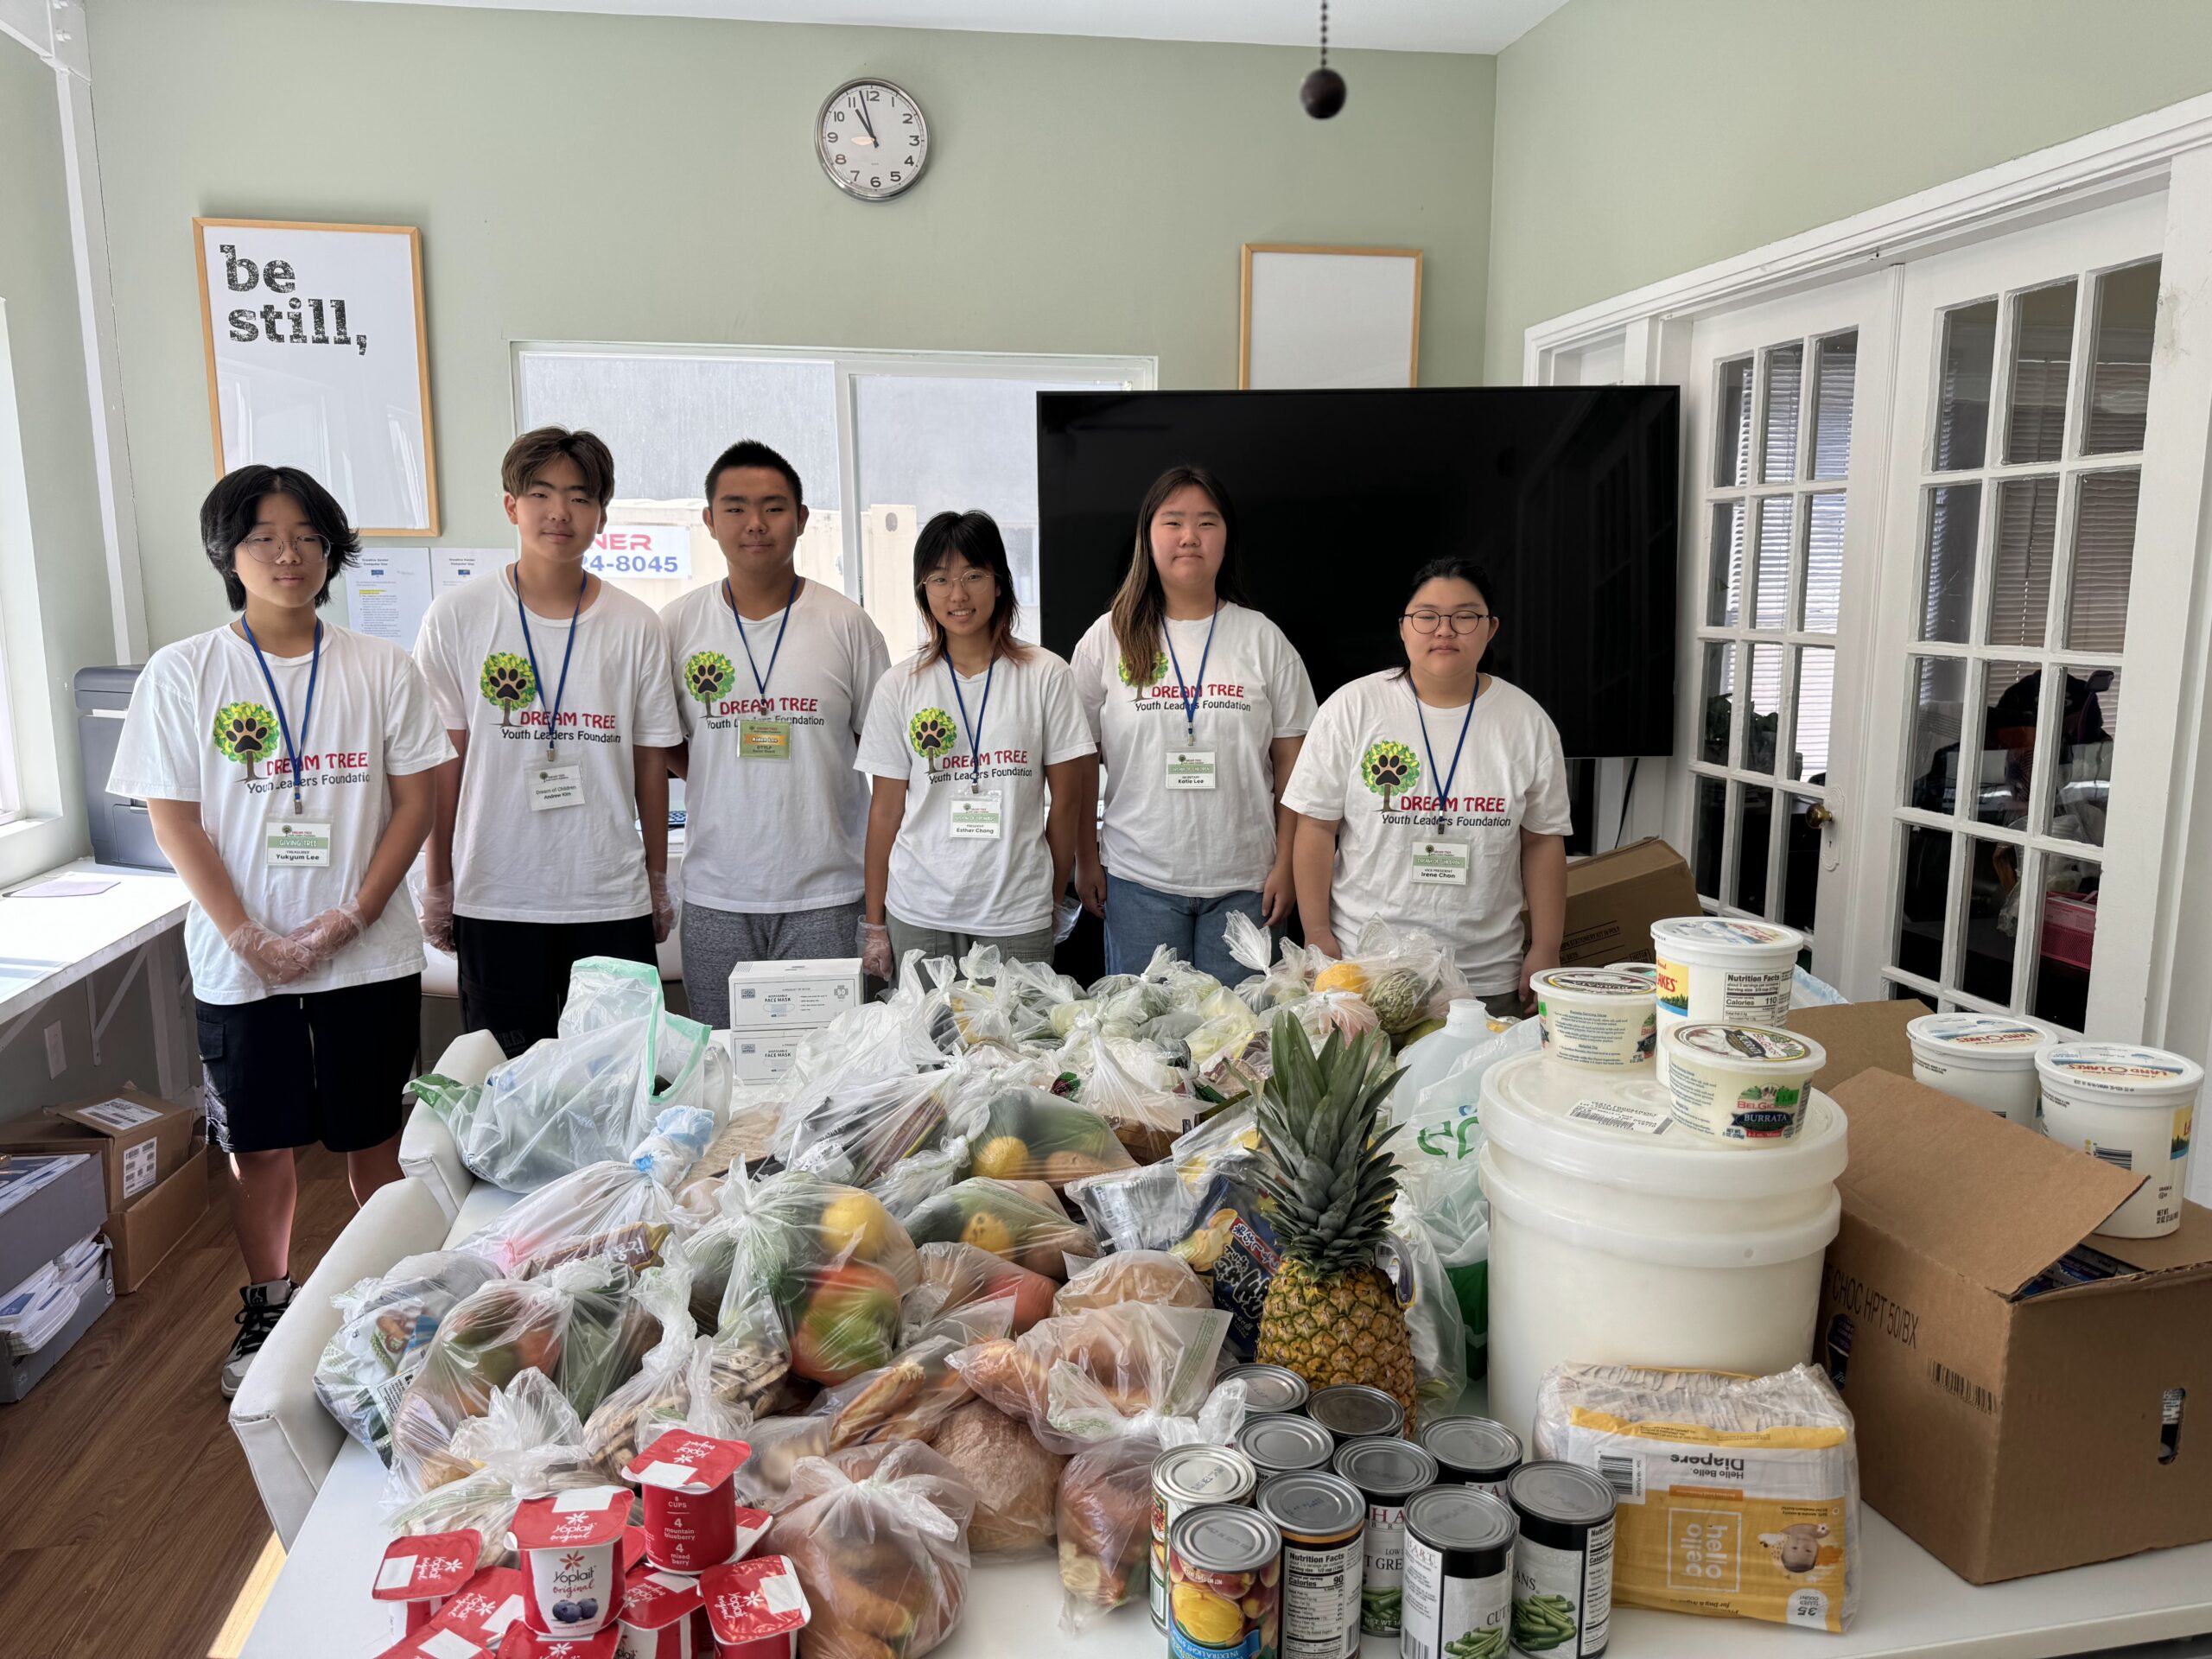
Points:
[(1152, 1276), (993, 1216), (1074, 1378), (612, 1209), (1405, 974), (908, 1399), (1028, 1135), (526, 1443), (1273, 982), (1016, 1482), (857, 1132), (1131, 1086), (1147, 1208), (1415, 1267), (955, 1276), (674, 1386), (388, 1325)]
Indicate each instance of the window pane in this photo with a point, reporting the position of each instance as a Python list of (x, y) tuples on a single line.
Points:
[(2104, 560), (2068, 889), (2080, 772), (1773, 585), (1705, 835), (1939, 700), (1923, 893), (1785, 379), (2012, 695), (1809, 759), (1953, 520), (2119, 376), (1835, 384), (1724, 603), (1732, 444), (1720, 703), (2043, 355), (2019, 574), (1962, 388), (1822, 602), (1992, 903), (1801, 866), (1754, 821), (1765, 708)]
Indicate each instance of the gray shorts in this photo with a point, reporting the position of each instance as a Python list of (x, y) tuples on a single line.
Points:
[(715, 941), (934, 941)]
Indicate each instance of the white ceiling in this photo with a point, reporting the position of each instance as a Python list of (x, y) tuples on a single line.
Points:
[(1483, 26)]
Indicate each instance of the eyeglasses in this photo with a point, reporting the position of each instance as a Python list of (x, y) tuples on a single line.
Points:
[(973, 581), (1461, 621), (264, 549)]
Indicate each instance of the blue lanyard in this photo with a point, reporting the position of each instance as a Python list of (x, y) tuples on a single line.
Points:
[(760, 679), (284, 726), (1444, 791), (553, 713), (1188, 695), (975, 731)]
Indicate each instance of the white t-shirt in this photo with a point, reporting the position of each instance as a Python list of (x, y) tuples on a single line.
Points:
[(1366, 768), (579, 863), (970, 884), (202, 728), (767, 834), (1200, 843)]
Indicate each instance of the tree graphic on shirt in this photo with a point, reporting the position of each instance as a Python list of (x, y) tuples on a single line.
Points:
[(1387, 767), (242, 731), (932, 733), (707, 675), (507, 682), (1158, 673)]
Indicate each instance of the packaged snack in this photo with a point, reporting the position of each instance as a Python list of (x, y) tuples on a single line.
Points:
[(832, 1262), (992, 1216), (959, 1275), (1147, 1208), (1016, 1482), (526, 1442), (388, 1323), (1152, 1276), (1232, 1245), (1074, 1380)]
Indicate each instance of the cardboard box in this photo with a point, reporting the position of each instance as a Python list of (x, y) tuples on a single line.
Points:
[(142, 1139), (804, 993), (39, 1222), (761, 1057), (1613, 898), (1860, 1037), (144, 1234), (2011, 1419)]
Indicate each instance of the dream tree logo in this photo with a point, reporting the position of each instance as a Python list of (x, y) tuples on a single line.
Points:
[(508, 682), (708, 676), (1159, 670), (932, 734), (242, 731), (1389, 767)]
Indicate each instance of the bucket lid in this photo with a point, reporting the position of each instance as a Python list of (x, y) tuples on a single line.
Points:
[(1461, 1517), (1726, 935), (1621, 1133), (1732, 1047), (1608, 982), (2120, 1072), (1998, 1041), (1646, 971)]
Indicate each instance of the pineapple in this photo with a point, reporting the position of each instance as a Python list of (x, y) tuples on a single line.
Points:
[(1331, 1315)]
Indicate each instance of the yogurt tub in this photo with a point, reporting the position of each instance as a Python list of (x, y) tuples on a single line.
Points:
[(1986, 1059), (1723, 968), (1597, 1017), (1740, 1086), (2133, 1108)]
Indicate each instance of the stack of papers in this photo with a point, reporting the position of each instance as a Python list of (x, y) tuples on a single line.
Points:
[(33, 1314), (20, 1177)]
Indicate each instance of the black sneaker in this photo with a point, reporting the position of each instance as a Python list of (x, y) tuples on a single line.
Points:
[(265, 1306)]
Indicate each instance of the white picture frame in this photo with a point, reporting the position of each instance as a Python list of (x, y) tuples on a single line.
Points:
[(318, 357), (1321, 317)]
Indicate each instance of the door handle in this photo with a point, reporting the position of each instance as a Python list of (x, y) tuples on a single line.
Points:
[(1819, 815)]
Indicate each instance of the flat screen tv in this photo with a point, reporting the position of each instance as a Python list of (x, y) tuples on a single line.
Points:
[(1566, 496)]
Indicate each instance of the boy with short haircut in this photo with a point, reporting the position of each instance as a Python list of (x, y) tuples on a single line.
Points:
[(551, 841), (773, 675)]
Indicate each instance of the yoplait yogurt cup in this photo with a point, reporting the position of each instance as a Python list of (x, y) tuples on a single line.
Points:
[(570, 1545), (2133, 1108), (1600, 1017), (660, 1616), (756, 1608), (1739, 1086)]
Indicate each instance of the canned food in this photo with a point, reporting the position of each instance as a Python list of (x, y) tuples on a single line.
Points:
[(1388, 1474), (1225, 1566), (1563, 1563), (1353, 1411), (1473, 1452), (1281, 1443), (1186, 1477), (1322, 1518), (1459, 1574), (1268, 1388)]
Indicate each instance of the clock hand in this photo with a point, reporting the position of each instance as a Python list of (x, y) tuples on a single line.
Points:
[(859, 104)]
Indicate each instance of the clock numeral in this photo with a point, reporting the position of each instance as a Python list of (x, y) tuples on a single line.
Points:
[(908, 118), (875, 95), (855, 175), (894, 178), (839, 160), (837, 115)]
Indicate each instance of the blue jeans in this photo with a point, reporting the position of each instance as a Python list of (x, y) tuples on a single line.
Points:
[(1138, 920)]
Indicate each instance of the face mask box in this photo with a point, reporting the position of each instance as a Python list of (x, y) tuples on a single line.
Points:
[(759, 1056), (782, 995), (1613, 900), (2029, 1396)]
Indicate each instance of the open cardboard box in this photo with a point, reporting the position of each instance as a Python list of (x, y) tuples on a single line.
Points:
[(140, 1139), (1613, 898)]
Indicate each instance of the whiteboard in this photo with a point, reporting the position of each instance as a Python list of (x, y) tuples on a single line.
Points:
[(1324, 317), (316, 358)]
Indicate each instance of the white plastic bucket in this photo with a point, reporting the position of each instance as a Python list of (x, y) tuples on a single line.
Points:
[(1986, 1059), (2133, 1108), (1740, 1086), (1597, 1017), (1617, 1238), (1723, 968)]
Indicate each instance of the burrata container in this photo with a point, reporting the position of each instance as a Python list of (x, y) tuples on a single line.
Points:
[(1739, 1086), (1600, 1018), (1986, 1059), (2133, 1108)]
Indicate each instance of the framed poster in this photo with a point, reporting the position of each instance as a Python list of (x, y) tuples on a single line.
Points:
[(317, 358), (1318, 318)]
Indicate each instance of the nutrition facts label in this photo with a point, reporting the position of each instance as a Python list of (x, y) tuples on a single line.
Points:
[(1320, 1599)]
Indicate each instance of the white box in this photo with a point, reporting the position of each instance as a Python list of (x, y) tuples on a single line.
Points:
[(767, 995), (763, 1056)]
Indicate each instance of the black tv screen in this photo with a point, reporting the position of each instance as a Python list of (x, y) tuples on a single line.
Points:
[(1566, 496)]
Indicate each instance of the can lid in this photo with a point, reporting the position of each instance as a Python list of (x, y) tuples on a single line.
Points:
[(1268, 1387), (1226, 1538), (1352, 1408), (1285, 1442), (1203, 1472), (1565, 1492), (1393, 1467), (1460, 1518), (1474, 1444), (1311, 1502)]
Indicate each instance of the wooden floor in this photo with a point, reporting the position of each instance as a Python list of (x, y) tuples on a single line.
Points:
[(129, 1523)]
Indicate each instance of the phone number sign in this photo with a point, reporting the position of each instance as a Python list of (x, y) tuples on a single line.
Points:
[(663, 550)]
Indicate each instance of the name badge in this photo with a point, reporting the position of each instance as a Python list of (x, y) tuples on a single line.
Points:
[(1190, 769), (1440, 863), (978, 817), (296, 843), (764, 740), (552, 787)]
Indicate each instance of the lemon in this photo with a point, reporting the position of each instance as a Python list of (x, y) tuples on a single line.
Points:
[(1003, 1158), (855, 1222)]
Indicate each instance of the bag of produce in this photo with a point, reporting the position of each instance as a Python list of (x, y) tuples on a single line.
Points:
[(1406, 975), (908, 1398), (1151, 1277), (1016, 1482), (1072, 1378), (673, 1388), (994, 1217), (1131, 1086), (882, 1556), (831, 1260), (1409, 1257), (388, 1323), (1273, 982), (1027, 1135), (525, 1444), (611, 1210), (957, 1276), (859, 1131)]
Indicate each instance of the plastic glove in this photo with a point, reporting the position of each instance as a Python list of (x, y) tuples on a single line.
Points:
[(324, 936), (274, 960), (664, 907), (437, 916), (875, 950)]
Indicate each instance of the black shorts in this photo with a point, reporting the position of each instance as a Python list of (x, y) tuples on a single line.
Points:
[(514, 976), (329, 1066)]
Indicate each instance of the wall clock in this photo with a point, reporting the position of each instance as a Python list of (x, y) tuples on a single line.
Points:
[(872, 139)]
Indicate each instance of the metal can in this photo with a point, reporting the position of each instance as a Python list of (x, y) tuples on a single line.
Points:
[(1186, 1477), (1280, 1443), (1268, 1388), (1353, 1411), (1388, 1474), (1459, 1575), (1563, 1563), (1225, 1566), (1322, 1518), (1473, 1452)]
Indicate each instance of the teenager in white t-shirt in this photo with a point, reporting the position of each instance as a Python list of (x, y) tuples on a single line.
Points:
[(1198, 706), (773, 678), (287, 766), (980, 756), (1435, 795), (551, 840)]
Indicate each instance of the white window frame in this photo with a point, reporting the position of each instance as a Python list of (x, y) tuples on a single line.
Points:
[(18, 573)]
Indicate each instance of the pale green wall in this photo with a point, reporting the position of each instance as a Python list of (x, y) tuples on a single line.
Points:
[(604, 178), (1636, 138)]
